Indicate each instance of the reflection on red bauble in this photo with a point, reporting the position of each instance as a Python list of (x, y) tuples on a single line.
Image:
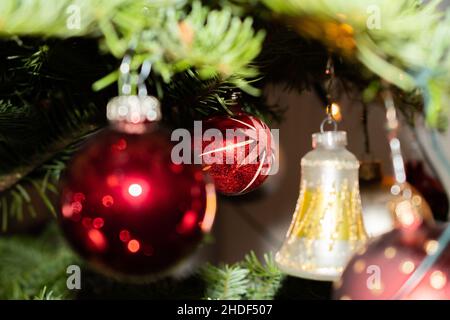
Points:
[(381, 270), (241, 162), (127, 209)]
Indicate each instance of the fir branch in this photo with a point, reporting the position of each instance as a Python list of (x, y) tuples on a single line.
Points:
[(226, 283), (36, 188), (249, 279), (35, 268), (403, 42), (213, 41), (264, 280), (46, 295), (29, 264), (188, 97)]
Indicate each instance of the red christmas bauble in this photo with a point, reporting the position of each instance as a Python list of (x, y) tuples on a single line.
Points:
[(237, 151), (381, 271), (128, 209)]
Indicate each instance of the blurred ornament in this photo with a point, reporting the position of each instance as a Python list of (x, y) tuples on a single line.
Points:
[(390, 267), (378, 203), (430, 187), (335, 34), (125, 206), (410, 262), (327, 226), (237, 151)]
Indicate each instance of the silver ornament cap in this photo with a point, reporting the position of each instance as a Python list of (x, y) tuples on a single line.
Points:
[(133, 109), (329, 139)]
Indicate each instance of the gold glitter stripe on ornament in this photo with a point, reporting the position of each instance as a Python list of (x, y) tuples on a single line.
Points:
[(338, 164), (328, 214)]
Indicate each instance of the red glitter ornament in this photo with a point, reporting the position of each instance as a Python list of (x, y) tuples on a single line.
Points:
[(127, 208), (239, 154), (388, 268)]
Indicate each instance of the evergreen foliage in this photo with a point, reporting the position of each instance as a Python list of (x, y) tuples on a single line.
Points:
[(35, 268), (59, 67)]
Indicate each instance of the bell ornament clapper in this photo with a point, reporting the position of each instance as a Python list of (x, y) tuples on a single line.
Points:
[(327, 226)]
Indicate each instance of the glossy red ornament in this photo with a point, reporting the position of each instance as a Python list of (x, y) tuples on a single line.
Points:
[(128, 209), (380, 271), (241, 162)]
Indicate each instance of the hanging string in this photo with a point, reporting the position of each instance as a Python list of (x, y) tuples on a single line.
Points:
[(365, 124), (395, 146), (329, 71)]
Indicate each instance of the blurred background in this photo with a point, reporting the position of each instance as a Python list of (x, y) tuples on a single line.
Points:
[(259, 220)]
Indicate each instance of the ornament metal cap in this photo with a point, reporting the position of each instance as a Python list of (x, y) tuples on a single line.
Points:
[(133, 109), (329, 139)]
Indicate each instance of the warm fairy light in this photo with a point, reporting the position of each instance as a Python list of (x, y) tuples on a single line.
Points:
[(416, 200), (97, 239), (124, 235), (336, 112), (67, 211), (135, 190), (133, 246), (395, 189), (107, 201), (98, 223), (390, 252), (407, 267), (438, 280), (188, 222), (112, 180), (79, 197), (431, 246), (359, 266), (77, 207), (405, 213)]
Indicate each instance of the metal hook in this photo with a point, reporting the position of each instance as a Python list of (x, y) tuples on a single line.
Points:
[(146, 68), (328, 120), (126, 76)]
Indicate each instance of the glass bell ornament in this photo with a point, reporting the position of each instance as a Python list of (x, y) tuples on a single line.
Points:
[(327, 226), (378, 202)]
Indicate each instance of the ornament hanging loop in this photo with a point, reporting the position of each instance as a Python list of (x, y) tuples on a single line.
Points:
[(146, 68), (328, 120), (128, 80), (329, 71), (128, 107)]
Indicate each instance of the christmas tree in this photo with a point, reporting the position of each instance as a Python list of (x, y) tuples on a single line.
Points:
[(63, 62)]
